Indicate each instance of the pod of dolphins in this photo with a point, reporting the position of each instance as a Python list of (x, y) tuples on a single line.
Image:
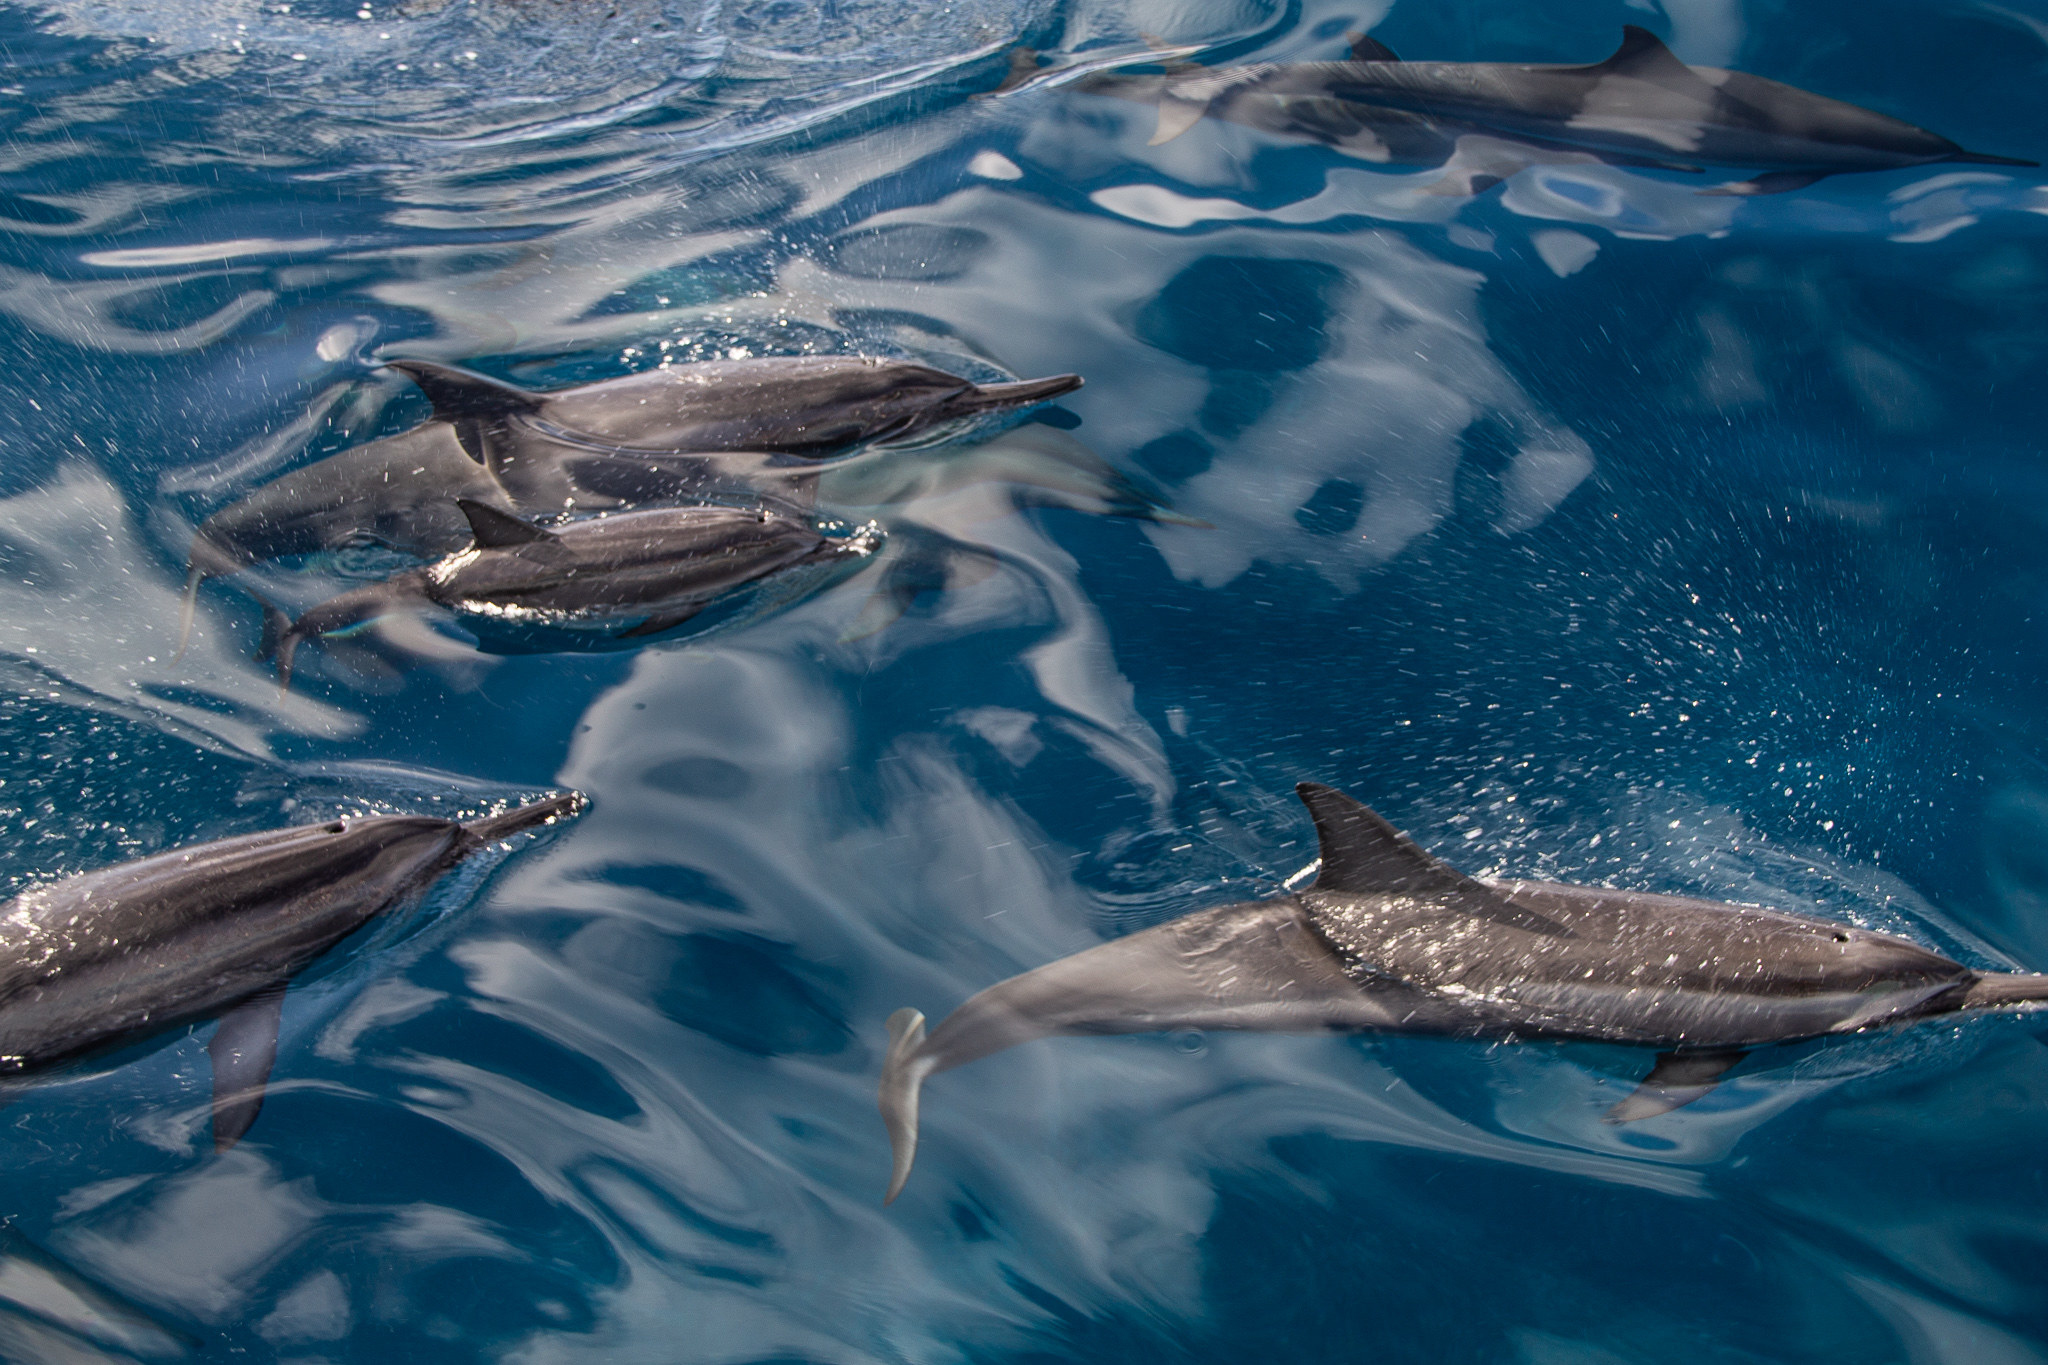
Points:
[(607, 514)]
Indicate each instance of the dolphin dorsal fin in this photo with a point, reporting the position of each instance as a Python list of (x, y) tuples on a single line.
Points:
[(1642, 56), (495, 530), (458, 394), (1365, 48), (1363, 853)]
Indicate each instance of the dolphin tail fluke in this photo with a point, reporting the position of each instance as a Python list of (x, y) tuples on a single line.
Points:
[(280, 641), (1675, 1081), (532, 815), (187, 609), (208, 558), (2005, 989), (903, 1076), (277, 629), (286, 648), (344, 615)]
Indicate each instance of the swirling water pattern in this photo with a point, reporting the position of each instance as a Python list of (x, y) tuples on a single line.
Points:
[(1592, 528)]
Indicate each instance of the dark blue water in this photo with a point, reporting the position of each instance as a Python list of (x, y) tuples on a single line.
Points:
[(1592, 529)]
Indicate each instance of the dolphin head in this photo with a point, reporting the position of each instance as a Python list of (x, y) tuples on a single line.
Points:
[(896, 401)]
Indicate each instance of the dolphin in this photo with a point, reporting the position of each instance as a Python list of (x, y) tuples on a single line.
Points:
[(107, 958), (1390, 939), (624, 576), (1483, 121), (736, 429), (814, 406)]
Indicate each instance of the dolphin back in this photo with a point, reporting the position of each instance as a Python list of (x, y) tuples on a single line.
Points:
[(150, 944)]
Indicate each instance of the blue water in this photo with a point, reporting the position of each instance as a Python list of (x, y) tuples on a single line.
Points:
[(1592, 529)]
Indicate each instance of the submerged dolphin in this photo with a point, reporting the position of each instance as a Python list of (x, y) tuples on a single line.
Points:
[(739, 428), (110, 957), (624, 576), (1484, 121), (1389, 939)]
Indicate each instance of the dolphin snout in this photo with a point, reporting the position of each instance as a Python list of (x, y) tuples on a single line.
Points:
[(1021, 393)]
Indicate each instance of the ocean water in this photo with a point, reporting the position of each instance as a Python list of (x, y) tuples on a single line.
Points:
[(1591, 528)]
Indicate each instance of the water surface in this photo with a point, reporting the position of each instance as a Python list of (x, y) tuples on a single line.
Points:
[(1592, 529)]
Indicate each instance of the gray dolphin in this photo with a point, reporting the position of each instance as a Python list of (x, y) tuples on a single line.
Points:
[(719, 429), (624, 576), (112, 957), (1389, 939), (814, 406), (1483, 121)]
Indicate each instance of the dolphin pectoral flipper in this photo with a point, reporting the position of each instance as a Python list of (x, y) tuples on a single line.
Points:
[(244, 1049), (188, 607), (1480, 163), (1776, 182), (655, 625), (1365, 48), (1675, 1081), (1176, 116)]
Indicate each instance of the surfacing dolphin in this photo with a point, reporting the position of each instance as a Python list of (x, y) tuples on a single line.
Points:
[(108, 958), (733, 428), (1389, 939), (623, 576), (814, 406), (1483, 121)]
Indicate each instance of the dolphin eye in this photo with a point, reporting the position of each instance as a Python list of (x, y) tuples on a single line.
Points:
[(336, 827), (1841, 937)]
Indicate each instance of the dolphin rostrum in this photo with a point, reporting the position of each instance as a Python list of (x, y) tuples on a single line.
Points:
[(1483, 121), (1389, 939), (627, 575), (729, 428), (111, 957)]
